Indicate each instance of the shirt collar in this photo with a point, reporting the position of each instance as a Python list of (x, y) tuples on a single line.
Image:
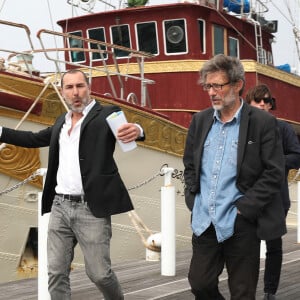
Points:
[(237, 115), (85, 110)]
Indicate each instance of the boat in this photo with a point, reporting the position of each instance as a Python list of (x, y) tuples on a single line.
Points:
[(144, 58)]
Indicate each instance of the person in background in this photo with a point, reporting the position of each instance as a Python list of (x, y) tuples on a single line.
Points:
[(260, 96), (233, 170), (83, 187)]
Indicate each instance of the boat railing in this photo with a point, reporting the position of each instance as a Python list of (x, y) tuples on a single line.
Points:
[(138, 56), (88, 5), (22, 65), (24, 58), (261, 6), (261, 56), (22, 26)]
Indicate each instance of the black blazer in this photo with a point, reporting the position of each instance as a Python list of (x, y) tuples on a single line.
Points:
[(291, 150), (260, 168), (103, 187)]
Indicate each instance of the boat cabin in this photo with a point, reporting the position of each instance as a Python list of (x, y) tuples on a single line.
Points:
[(170, 32), (171, 43)]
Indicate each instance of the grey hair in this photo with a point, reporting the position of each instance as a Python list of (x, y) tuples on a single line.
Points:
[(230, 65)]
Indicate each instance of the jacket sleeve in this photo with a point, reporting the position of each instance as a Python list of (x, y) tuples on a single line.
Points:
[(26, 139), (191, 186), (291, 146), (262, 170)]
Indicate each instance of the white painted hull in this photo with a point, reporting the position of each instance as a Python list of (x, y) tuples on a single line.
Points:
[(19, 208)]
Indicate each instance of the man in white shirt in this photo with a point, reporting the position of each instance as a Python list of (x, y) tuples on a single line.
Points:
[(82, 188)]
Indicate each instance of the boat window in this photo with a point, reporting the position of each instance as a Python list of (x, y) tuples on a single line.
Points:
[(97, 34), (175, 36), (234, 47), (270, 58), (263, 59), (120, 36), (218, 40), (76, 56), (201, 29), (147, 37)]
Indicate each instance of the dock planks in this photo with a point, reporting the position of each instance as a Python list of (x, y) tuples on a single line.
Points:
[(142, 280)]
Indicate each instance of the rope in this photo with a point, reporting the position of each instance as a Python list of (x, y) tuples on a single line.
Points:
[(139, 225), (237, 31)]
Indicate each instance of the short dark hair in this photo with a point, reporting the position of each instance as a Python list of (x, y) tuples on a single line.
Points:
[(73, 71), (259, 92)]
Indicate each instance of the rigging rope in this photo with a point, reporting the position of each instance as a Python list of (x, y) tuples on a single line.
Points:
[(233, 27)]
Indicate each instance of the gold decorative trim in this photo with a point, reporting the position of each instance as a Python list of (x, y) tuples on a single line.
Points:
[(161, 134), (269, 71), (20, 163), (172, 66)]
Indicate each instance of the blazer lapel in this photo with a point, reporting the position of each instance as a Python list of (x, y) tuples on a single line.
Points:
[(243, 136), (203, 127), (91, 115), (57, 127)]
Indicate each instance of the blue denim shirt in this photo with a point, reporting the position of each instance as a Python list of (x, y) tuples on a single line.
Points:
[(215, 202)]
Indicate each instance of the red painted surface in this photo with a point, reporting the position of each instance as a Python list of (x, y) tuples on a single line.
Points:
[(20, 103), (177, 94)]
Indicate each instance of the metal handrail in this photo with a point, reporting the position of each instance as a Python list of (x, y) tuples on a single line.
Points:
[(138, 55)]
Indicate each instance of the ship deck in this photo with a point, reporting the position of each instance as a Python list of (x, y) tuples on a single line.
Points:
[(142, 279)]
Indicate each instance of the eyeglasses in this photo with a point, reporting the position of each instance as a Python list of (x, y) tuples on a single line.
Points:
[(215, 86), (265, 99)]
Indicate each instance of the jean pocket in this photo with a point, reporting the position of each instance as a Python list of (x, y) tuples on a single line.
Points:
[(57, 201)]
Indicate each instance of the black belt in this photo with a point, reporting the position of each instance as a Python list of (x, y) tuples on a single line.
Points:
[(72, 198)]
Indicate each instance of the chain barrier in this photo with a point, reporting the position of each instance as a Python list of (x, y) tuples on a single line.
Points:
[(38, 173), (146, 181), (31, 177)]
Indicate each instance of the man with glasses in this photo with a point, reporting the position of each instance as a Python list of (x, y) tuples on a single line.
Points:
[(260, 97), (234, 167)]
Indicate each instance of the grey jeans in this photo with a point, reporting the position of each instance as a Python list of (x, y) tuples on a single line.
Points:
[(70, 223)]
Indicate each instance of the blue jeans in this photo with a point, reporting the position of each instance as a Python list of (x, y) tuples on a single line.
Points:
[(70, 223)]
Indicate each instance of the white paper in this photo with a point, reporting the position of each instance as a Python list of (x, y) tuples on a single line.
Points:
[(115, 120)]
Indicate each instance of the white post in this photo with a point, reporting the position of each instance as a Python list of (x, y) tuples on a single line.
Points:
[(298, 212), (42, 247), (168, 234), (262, 249)]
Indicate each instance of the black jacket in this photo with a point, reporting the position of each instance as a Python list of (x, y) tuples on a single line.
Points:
[(103, 187), (291, 150), (260, 168)]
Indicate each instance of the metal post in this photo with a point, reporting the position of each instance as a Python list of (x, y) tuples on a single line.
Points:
[(43, 221), (168, 242)]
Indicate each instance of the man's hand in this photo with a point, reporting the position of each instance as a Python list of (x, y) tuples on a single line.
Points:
[(128, 132)]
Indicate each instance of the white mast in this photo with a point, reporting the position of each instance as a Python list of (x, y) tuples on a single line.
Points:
[(294, 16)]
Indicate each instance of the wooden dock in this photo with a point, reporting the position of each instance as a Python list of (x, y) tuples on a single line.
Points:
[(142, 280)]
